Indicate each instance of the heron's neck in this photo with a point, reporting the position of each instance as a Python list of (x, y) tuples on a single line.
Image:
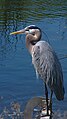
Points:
[(29, 44), (31, 40)]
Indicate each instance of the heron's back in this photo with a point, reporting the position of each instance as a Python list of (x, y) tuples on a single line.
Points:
[(48, 67)]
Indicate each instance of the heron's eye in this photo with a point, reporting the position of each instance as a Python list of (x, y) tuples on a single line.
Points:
[(32, 31)]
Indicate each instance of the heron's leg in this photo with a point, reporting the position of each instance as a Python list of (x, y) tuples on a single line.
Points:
[(51, 103), (46, 93)]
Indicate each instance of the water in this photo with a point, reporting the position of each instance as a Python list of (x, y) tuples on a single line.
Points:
[(18, 81)]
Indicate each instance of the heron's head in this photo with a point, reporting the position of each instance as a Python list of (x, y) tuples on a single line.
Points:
[(32, 29)]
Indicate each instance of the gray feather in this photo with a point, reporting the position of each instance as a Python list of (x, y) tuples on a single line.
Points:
[(48, 67)]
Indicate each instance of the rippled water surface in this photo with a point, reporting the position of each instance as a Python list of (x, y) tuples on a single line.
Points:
[(18, 81)]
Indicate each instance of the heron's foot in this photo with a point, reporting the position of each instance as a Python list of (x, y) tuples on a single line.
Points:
[(50, 108), (44, 114), (47, 107)]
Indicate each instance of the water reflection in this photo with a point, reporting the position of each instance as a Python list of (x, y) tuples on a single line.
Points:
[(22, 10), (11, 12)]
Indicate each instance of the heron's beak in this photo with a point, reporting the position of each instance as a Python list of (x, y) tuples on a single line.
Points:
[(18, 32)]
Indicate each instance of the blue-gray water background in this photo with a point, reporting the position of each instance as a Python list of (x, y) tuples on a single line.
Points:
[(17, 76)]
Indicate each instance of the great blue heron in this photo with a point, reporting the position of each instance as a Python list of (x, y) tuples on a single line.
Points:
[(45, 62)]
